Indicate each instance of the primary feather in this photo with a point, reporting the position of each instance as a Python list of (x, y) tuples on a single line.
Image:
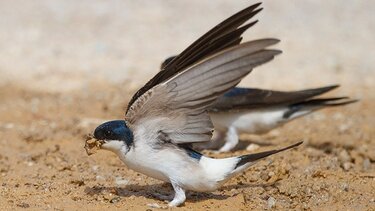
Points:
[(224, 35), (177, 107), (250, 98)]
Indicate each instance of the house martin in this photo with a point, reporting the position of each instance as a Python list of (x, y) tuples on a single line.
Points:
[(169, 112), (258, 111)]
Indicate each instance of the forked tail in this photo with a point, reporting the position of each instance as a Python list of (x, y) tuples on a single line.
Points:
[(308, 106), (245, 159)]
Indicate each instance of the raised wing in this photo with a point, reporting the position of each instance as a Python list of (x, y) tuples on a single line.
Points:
[(166, 61), (226, 34), (176, 108), (249, 98)]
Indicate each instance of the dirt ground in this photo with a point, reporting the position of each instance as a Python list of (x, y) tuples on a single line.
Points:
[(66, 67)]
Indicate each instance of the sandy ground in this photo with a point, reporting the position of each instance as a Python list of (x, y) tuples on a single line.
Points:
[(66, 66)]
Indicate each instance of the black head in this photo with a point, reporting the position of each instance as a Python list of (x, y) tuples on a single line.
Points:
[(114, 130)]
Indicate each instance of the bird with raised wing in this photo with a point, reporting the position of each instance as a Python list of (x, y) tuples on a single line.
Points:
[(169, 112)]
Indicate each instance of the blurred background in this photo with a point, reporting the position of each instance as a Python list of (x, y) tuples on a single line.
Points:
[(67, 66), (58, 46)]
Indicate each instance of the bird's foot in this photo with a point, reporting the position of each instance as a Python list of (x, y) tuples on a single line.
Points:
[(175, 203), (179, 196)]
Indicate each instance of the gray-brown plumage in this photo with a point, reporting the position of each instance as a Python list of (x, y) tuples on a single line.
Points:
[(257, 111), (170, 111), (185, 98), (226, 34), (238, 99)]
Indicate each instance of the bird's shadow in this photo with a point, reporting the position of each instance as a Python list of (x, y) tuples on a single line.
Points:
[(159, 191)]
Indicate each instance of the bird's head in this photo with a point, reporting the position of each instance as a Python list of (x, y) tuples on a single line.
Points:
[(114, 136)]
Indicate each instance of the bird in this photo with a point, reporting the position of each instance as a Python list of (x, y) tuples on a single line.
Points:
[(170, 112), (258, 111)]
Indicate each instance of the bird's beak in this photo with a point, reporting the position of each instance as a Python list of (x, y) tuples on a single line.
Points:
[(92, 144)]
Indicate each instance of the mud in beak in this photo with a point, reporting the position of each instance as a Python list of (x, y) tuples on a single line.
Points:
[(92, 145)]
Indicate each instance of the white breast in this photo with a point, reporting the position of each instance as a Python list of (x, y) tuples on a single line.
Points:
[(251, 121), (168, 164)]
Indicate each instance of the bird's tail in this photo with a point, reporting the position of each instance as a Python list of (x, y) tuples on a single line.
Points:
[(221, 170), (305, 107), (245, 160)]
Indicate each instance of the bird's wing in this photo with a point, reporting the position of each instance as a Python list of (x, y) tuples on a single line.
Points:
[(176, 109), (166, 61), (224, 35), (249, 98)]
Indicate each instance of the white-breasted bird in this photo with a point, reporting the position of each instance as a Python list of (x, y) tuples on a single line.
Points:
[(258, 111), (169, 112)]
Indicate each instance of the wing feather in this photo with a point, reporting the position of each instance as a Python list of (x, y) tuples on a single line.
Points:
[(177, 107), (250, 98), (224, 35)]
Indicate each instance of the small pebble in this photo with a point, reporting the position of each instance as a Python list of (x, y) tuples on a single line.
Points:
[(274, 134), (121, 182), (345, 187), (154, 205), (316, 187), (9, 126), (264, 176), (347, 166), (271, 202), (108, 197), (338, 116), (115, 200), (366, 164), (23, 205), (318, 116), (252, 147), (344, 128), (95, 168), (98, 177), (344, 156)]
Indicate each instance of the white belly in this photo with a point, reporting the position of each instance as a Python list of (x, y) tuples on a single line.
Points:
[(251, 121), (170, 165)]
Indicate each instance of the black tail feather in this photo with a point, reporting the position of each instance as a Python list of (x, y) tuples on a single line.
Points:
[(334, 101), (240, 98), (318, 103), (254, 157), (319, 91)]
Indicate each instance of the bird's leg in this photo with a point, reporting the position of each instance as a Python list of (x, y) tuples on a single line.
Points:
[(231, 140), (179, 196)]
